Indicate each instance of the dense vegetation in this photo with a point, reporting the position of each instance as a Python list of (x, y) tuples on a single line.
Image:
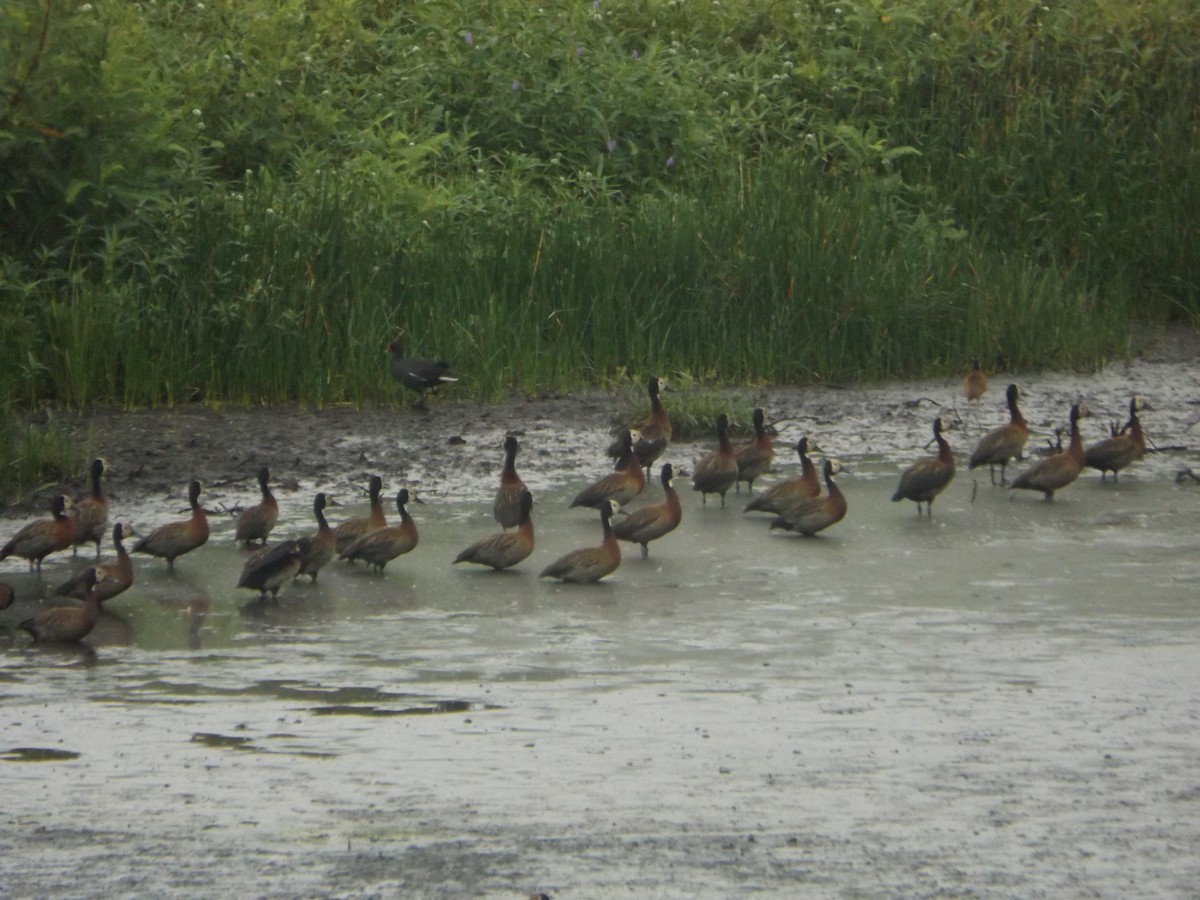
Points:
[(244, 200)]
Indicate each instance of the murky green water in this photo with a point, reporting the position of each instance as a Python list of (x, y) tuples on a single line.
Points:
[(1001, 701)]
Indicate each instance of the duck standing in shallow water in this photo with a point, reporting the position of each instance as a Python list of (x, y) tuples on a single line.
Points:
[(1001, 444), (815, 514), (506, 548), (269, 568), (806, 484), (654, 432), (754, 459), (620, 486), (717, 472), (38, 539), (91, 512), (926, 478), (589, 564), (256, 522), (173, 540), (419, 375), (1055, 472), (507, 507), (316, 550), (379, 547), (652, 522), (1115, 453), (352, 529), (67, 624), (112, 578)]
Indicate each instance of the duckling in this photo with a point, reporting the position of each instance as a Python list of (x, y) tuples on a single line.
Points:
[(717, 472), (589, 564), (754, 459), (1115, 453), (506, 548), (654, 432), (510, 494), (269, 568), (67, 624), (926, 478), (38, 539), (256, 522), (975, 383), (1056, 472), (806, 484), (622, 485), (417, 375), (810, 515), (1001, 444), (174, 539), (352, 529), (652, 522), (112, 578), (91, 512), (379, 547), (316, 549)]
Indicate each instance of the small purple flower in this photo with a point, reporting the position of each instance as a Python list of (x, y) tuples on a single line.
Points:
[(469, 38), (635, 54), (670, 162), (579, 51), (611, 145), (516, 85), (595, 4)]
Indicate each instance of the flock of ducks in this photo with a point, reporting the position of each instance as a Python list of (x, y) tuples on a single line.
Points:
[(797, 504)]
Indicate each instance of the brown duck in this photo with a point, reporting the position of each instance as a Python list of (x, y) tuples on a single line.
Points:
[(38, 539), (754, 459), (507, 506), (316, 549), (506, 548), (1055, 472), (1123, 449), (173, 540), (1001, 444), (256, 522), (815, 514), (67, 624), (717, 472), (352, 529), (112, 578), (806, 484), (654, 432), (652, 522), (975, 383), (926, 478), (379, 547), (91, 512), (269, 568), (620, 486), (589, 564)]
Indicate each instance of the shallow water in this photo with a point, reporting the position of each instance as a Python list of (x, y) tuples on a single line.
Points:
[(1000, 701)]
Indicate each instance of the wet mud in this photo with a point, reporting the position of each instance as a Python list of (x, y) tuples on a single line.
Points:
[(996, 701)]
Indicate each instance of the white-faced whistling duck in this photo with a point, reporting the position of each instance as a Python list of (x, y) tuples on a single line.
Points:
[(112, 578), (417, 375), (1056, 472), (379, 547), (66, 624), (815, 514), (652, 522), (174, 539), (91, 512), (975, 382), (507, 508), (654, 432), (754, 459), (38, 539), (505, 548), (270, 567), (806, 484), (352, 529), (1001, 444), (1122, 449), (926, 478), (256, 522), (717, 472), (622, 485), (316, 549), (589, 564)]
